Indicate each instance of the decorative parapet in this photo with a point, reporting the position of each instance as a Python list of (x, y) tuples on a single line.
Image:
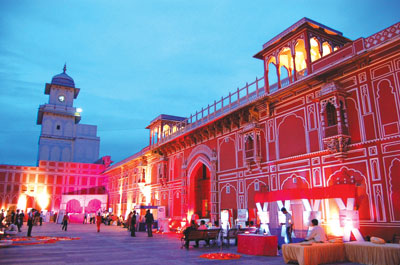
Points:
[(382, 36), (234, 101), (330, 88)]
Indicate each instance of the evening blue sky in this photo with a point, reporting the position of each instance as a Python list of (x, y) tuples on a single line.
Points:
[(134, 60)]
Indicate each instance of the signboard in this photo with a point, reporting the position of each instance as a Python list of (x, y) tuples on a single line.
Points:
[(161, 212), (225, 219), (148, 207), (349, 219), (242, 217), (242, 214)]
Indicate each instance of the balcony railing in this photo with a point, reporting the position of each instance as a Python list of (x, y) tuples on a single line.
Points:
[(249, 93), (233, 101), (333, 130)]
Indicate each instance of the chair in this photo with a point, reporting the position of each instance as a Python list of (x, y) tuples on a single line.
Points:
[(232, 234)]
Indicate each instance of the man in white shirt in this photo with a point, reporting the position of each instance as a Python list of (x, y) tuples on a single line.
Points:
[(317, 233), (288, 224)]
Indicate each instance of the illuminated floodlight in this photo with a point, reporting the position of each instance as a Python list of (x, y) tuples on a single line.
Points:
[(79, 110), (43, 200), (21, 202)]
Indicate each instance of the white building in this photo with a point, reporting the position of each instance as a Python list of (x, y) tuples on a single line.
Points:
[(62, 138)]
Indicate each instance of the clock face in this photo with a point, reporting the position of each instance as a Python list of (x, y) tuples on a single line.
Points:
[(61, 98)]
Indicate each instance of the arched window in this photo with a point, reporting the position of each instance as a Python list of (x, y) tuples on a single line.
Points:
[(166, 130), (143, 175), (155, 137), (300, 59), (249, 146), (331, 114), (314, 49), (285, 66), (326, 48), (343, 117), (284, 74), (258, 144), (272, 74)]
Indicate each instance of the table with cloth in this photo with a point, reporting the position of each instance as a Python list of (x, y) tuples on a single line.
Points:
[(259, 245), (313, 254), (370, 253)]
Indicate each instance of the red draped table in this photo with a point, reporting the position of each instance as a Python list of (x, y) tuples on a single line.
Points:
[(259, 245)]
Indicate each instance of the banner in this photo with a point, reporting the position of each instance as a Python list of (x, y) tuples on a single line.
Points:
[(336, 191)]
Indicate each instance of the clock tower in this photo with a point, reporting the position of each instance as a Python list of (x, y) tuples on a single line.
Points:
[(62, 138)]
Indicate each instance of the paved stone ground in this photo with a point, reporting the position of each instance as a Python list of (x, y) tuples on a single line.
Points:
[(113, 245)]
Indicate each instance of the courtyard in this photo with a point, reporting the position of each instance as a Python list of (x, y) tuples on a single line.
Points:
[(114, 245)]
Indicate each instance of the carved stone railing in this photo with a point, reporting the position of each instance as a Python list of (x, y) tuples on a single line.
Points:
[(250, 93)]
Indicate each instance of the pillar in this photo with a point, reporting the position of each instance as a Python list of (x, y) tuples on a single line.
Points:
[(214, 191)]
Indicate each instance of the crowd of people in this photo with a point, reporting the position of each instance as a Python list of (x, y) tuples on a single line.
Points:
[(12, 221), (132, 222)]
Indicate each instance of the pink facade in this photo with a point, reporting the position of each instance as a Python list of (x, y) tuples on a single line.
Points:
[(326, 113), (42, 187)]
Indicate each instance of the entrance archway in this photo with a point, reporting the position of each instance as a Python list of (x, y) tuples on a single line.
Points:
[(200, 190), (93, 206)]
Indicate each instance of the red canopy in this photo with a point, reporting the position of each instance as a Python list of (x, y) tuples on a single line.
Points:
[(336, 191)]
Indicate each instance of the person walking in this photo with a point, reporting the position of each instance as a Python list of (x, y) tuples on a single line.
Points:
[(65, 222), (12, 221), (31, 215), (137, 221), (133, 223), (21, 220), (41, 218), (128, 223), (17, 220), (149, 223), (288, 224), (98, 222)]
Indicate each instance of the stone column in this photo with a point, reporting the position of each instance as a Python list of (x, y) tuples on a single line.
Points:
[(293, 51), (214, 190), (184, 193)]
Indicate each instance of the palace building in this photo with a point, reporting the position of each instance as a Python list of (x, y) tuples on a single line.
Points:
[(68, 159), (62, 138), (323, 118)]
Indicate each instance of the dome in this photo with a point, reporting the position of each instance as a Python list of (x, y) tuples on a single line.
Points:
[(63, 79)]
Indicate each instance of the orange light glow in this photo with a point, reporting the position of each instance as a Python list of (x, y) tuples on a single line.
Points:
[(333, 224), (189, 215), (22, 202), (43, 200)]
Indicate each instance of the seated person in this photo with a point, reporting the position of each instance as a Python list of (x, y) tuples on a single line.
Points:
[(202, 225), (11, 230), (215, 226), (252, 228), (192, 227), (317, 233)]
